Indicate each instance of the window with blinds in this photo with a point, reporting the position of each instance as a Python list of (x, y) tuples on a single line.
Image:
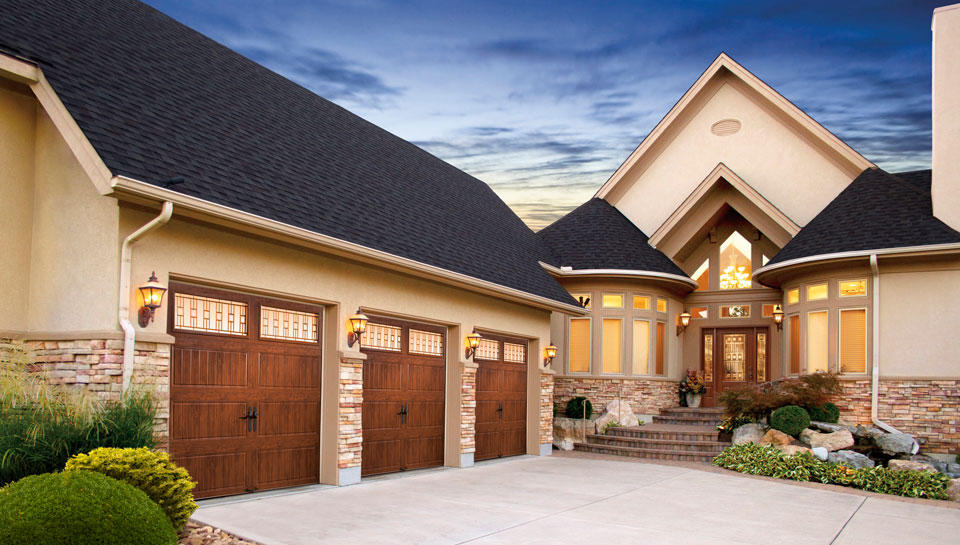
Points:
[(641, 347), (661, 339), (794, 330), (853, 340), (818, 349), (579, 356), (612, 336)]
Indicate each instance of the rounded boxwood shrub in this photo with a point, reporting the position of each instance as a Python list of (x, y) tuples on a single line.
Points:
[(80, 508), (579, 405), (828, 412), (164, 482), (790, 419)]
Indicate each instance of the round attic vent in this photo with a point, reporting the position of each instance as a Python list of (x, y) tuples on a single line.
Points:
[(725, 127)]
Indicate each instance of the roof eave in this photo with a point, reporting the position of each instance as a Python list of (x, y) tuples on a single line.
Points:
[(137, 191), (560, 272)]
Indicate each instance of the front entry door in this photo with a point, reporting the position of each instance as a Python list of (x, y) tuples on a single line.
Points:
[(732, 358)]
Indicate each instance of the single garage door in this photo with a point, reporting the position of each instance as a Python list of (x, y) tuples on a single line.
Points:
[(501, 397), (245, 390), (403, 391)]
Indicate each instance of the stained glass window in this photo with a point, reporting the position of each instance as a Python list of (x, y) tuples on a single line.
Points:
[(735, 263)]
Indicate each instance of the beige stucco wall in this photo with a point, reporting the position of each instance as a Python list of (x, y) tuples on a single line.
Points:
[(59, 233), (767, 153), (946, 115)]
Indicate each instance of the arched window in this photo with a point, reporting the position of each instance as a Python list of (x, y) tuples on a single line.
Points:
[(735, 265)]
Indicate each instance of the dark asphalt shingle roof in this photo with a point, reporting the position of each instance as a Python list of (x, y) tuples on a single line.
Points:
[(596, 235), (877, 210), (157, 99)]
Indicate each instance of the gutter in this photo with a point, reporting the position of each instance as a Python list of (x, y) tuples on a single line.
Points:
[(123, 306), (875, 377), (623, 273)]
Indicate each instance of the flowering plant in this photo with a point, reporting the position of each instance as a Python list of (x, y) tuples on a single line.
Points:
[(692, 383)]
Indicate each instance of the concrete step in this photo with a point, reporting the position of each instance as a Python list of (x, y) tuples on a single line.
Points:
[(697, 447), (647, 453), (671, 432)]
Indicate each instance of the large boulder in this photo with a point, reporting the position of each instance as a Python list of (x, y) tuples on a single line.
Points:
[(827, 427), (910, 465), (894, 444), (790, 450), (776, 438), (837, 440), (868, 432), (849, 458), (748, 433), (567, 431), (953, 489), (618, 412)]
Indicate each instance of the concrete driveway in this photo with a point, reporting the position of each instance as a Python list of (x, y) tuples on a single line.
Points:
[(554, 500)]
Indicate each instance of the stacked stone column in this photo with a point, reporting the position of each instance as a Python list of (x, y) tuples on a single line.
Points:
[(350, 417), (546, 411)]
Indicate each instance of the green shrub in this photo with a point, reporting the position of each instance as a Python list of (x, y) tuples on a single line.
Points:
[(768, 461), (42, 425), (609, 426), (164, 482), (577, 406), (80, 508), (791, 419), (828, 412), (758, 400)]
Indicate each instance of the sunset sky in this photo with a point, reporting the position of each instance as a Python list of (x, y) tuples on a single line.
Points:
[(543, 100)]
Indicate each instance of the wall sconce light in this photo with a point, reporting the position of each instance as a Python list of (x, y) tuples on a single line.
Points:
[(684, 322), (778, 316), (152, 295), (358, 325), (549, 353), (473, 341)]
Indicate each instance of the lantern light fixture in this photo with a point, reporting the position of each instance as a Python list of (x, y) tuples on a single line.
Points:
[(358, 325), (684, 320), (473, 342), (152, 294), (778, 316), (549, 353)]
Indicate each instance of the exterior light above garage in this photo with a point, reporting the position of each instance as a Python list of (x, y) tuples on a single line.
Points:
[(684, 322), (358, 325), (549, 353), (778, 316), (473, 341), (152, 294)]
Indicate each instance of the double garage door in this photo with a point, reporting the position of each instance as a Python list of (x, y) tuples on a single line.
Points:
[(245, 390)]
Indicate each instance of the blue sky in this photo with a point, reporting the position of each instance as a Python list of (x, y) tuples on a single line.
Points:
[(543, 100)]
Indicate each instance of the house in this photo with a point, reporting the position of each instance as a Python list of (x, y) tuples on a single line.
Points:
[(140, 155)]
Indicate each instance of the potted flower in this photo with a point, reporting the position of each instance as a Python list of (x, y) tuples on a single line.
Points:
[(692, 388)]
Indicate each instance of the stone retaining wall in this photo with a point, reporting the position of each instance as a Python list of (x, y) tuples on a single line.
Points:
[(645, 396), (927, 409)]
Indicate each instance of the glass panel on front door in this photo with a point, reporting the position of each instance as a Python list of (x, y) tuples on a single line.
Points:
[(734, 357)]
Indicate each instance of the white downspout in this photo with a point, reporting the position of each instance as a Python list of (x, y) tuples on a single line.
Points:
[(123, 310), (875, 393)]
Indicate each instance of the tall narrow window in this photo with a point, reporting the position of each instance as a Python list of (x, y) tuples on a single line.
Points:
[(794, 327), (612, 337), (641, 347), (761, 357), (708, 357), (580, 345), (702, 276), (853, 341), (735, 263), (661, 328), (818, 349)]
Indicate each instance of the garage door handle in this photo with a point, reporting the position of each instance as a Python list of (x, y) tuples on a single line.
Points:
[(500, 410)]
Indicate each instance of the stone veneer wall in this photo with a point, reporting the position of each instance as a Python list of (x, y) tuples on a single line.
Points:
[(645, 396), (546, 406), (350, 423), (928, 409), (96, 366), (468, 408)]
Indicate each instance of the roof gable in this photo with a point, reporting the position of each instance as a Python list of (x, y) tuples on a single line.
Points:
[(157, 99)]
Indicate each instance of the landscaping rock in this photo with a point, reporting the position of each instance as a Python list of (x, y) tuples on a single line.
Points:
[(851, 459), (748, 433), (563, 444), (821, 453), (827, 427), (893, 444), (569, 431), (837, 440), (868, 432), (900, 465), (616, 412), (790, 450), (953, 489), (776, 438)]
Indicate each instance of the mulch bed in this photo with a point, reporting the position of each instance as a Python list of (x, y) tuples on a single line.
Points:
[(195, 533)]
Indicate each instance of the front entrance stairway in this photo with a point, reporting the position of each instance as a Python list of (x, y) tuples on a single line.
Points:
[(679, 434)]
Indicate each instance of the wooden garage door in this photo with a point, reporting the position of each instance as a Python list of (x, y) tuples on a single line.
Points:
[(501, 397), (403, 391), (245, 390)]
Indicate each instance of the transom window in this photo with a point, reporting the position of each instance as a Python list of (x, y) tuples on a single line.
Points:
[(641, 302), (661, 305), (382, 337), (288, 325), (612, 300), (817, 292), (793, 296), (209, 315), (583, 299), (853, 288), (488, 350), (513, 352), (425, 342), (699, 313), (735, 263), (735, 311)]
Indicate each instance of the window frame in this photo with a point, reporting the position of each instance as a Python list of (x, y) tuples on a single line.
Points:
[(787, 294), (620, 294), (589, 370), (789, 345), (806, 345), (620, 349), (866, 340), (666, 305), (656, 362), (651, 332), (806, 291), (866, 289), (633, 301)]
